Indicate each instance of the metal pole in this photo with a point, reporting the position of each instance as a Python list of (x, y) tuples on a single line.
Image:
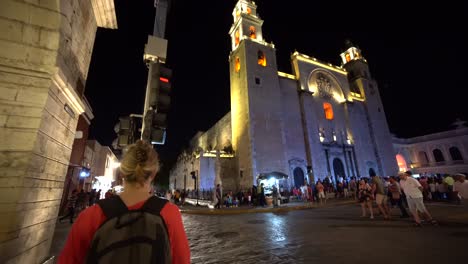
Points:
[(196, 183)]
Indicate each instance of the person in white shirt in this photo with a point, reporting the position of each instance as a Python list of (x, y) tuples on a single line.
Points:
[(460, 187), (414, 197)]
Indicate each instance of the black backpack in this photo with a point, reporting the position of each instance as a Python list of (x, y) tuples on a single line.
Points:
[(131, 236)]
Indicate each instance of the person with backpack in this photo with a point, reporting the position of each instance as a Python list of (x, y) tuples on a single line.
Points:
[(132, 227)]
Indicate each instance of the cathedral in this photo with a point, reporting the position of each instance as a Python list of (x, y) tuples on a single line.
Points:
[(319, 121)]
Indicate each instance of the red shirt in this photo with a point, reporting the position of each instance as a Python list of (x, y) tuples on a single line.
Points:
[(87, 223)]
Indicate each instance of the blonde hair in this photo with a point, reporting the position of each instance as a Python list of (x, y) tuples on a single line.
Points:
[(139, 163)]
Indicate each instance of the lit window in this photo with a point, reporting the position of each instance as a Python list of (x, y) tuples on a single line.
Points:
[(237, 13), (321, 137), (327, 107), (237, 64), (348, 57), (237, 37), (261, 58), (253, 35), (249, 11)]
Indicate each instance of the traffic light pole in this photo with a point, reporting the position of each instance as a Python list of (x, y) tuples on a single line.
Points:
[(153, 126), (196, 185)]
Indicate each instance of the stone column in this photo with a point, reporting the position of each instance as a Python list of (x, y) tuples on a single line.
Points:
[(45, 50)]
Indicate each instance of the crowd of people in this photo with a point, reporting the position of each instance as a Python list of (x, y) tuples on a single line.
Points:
[(80, 200), (404, 191)]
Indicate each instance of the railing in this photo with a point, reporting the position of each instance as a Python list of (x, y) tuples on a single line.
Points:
[(438, 164), (202, 194)]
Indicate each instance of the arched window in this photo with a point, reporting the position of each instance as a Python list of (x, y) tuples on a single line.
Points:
[(455, 153), (348, 57), (438, 156), (253, 34), (237, 64), (249, 11), (237, 37), (261, 58), (327, 108), (422, 156)]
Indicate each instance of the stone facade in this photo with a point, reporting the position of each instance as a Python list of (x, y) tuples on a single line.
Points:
[(73, 180), (210, 157), (322, 120), (45, 51), (439, 153)]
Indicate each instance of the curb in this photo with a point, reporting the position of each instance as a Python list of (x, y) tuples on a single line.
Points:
[(262, 210)]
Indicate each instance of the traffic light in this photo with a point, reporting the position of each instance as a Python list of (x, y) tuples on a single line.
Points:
[(122, 128), (158, 103), (127, 130)]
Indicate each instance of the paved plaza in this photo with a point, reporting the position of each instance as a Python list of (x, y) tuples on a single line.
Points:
[(328, 234)]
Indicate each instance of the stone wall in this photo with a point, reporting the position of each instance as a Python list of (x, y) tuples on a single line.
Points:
[(45, 50)]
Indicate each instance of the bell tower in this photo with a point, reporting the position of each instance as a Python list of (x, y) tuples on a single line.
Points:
[(247, 23), (364, 88), (257, 126)]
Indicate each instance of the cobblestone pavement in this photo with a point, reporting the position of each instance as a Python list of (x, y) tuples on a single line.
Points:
[(321, 235), (327, 235)]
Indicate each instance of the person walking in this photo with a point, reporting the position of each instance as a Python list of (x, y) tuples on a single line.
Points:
[(275, 196), (321, 192), (380, 196), (132, 214), (71, 204), (218, 196), (261, 192), (365, 197), (414, 196), (396, 197), (460, 188)]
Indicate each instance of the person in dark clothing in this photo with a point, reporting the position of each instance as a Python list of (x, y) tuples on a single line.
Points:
[(397, 197), (261, 197), (71, 207), (218, 197), (92, 197)]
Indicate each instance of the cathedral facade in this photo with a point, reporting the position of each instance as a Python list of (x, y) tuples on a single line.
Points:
[(319, 121)]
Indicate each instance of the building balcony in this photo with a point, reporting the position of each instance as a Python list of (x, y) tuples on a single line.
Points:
[(438, 164), (450, 166)]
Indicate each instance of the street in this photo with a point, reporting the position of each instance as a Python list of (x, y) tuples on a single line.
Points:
[(329, 234)]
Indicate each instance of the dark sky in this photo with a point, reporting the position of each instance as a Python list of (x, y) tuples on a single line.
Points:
[(418, 55)]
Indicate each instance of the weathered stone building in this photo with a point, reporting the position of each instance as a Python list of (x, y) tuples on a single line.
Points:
[(45, 51), (321, 120), (73, 181), (438, 153)]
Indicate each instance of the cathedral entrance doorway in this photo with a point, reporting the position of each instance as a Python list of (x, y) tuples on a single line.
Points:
[(338, 169), (298, 177), (372, 172)]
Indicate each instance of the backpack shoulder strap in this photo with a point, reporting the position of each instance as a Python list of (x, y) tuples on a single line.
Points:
[(113, 206), (154, 205)]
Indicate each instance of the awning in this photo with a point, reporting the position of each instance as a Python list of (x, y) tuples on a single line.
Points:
[(275, 174)]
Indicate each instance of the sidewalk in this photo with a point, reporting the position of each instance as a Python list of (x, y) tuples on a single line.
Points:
[(204, 210)]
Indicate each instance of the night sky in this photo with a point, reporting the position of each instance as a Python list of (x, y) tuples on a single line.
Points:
[(417, 56)]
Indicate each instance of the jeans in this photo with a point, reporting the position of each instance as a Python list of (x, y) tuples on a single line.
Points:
[(399, 202)]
